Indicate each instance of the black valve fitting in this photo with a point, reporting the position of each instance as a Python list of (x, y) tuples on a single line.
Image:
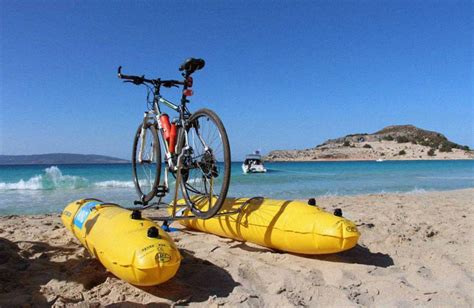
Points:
[(136, 214), (153, 232), (338, 212)]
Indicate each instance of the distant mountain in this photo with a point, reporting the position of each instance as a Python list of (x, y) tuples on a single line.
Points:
[(397, 142), (59, 159)]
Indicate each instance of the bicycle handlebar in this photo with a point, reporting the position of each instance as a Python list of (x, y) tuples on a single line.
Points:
[(141, 79)]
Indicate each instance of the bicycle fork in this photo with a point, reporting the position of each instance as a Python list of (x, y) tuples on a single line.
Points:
[(143, 142)]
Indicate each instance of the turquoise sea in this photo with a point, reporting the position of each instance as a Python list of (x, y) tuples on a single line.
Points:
[(45, 189)]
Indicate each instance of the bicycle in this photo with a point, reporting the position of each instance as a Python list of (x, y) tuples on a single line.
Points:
[(198, 159)]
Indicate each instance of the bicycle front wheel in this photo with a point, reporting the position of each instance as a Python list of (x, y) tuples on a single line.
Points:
[(146, 162), (206, 164)]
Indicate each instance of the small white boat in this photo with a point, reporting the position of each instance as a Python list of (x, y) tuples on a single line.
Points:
[(379, 160), (253, 163)]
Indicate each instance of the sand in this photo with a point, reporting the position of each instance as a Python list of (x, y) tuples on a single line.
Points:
[(415, 250)]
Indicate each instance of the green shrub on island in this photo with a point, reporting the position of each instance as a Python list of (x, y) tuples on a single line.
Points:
[(346, 143), (367, 146), (441, 143), (402, 139), (425, 143), (446, 147), (402, 152), (388, 138), (461, 147), (431, 152), (360, 134)]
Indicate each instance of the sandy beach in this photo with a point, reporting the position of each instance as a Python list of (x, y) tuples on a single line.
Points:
[(415, 250)]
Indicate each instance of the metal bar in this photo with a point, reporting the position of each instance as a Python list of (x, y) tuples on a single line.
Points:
[(171, 218), (176, 189), (175, 218), (168, 103), (152, 205), (211, 183)]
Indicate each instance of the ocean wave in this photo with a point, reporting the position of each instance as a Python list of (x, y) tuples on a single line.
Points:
[(51, 179), (469, 178), (194, 181), (115, 184), (416, 191), (123, 184), (54, 179)]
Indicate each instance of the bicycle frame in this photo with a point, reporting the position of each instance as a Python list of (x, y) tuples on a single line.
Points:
[(175, 165), (187, 156), (154, 115)]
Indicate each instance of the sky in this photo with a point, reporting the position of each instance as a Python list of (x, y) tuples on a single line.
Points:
[(280, 74)]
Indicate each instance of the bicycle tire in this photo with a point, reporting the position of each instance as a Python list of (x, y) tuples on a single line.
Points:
[(146, 197), (226, 170)]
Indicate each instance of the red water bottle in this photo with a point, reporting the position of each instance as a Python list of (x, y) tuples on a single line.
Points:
[(165, 125), (172, 140)]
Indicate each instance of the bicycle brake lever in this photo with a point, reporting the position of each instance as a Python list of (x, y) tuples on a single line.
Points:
[(135, 82)]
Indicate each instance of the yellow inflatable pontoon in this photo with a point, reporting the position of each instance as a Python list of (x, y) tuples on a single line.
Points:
[(134, 249), (292, 226)]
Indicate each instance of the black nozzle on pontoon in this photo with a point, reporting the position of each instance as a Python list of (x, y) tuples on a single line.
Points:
[(153, 232), (136, 214), (338, 212)]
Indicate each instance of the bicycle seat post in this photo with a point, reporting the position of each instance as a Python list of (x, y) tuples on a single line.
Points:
[(176, 190)]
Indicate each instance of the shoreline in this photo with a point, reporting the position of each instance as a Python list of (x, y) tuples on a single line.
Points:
[(64, 164), (415, 249), (241, 161), (415, 191), (366, 160)]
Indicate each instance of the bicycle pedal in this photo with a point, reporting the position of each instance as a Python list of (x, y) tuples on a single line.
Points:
[(138, 202), (165, 226), (161, 191)]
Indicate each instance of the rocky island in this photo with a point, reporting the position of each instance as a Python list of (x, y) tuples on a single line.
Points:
[(397, 142)]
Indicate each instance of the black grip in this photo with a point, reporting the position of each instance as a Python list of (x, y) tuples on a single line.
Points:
[(135, 79)]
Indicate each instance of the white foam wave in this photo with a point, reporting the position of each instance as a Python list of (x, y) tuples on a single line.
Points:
[(33, 183), (51, 179), (194, 181), (469, 178), (416, 191), (115, 184)]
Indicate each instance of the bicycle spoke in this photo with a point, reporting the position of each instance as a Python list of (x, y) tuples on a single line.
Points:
[(205, 174)]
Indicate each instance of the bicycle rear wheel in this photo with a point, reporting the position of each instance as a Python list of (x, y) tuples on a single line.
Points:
[(206, 164), (146, 162)]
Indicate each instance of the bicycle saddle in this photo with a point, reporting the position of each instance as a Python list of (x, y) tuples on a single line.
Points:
[(191, 65)]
